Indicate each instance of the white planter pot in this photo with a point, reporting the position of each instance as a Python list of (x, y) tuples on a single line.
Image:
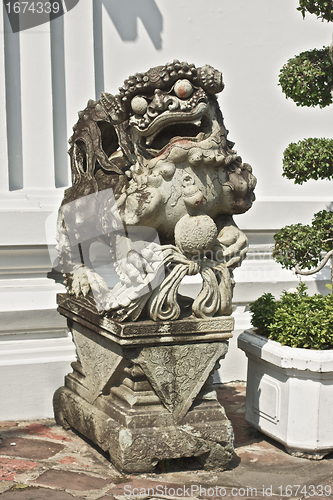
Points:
[(289, 394)]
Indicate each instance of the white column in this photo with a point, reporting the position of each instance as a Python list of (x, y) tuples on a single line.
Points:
[(4, 178), (11, 82), (60, 132), (37, 119)]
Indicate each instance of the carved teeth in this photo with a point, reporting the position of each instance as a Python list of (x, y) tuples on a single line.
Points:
[(150, 138), (170, 118), (200, 136)]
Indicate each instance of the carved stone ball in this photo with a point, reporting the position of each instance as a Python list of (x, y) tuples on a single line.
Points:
[(183, 89), (195, 234), (139, 105)]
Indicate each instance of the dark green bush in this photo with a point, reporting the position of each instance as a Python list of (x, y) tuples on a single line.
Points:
[(303, 245), (299, 320), (306, 78), (308, 159), (263, 310), (323, 9)]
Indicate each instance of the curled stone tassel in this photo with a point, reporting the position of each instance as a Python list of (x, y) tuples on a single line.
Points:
[(208, 302), (226, 285), (163, 303)]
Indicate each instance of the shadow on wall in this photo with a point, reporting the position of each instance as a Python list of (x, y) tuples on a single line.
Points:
[(124, 14), (12, 56)]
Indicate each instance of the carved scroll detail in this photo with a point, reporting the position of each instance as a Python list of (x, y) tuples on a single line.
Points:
[(163, 303)]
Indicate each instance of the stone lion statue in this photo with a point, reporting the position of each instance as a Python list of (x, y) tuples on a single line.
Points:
[(155, 177)]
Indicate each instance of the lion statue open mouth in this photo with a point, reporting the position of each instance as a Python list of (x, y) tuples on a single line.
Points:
[(160, 147)]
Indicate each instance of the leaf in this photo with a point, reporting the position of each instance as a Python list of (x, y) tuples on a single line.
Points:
[(20, 486)]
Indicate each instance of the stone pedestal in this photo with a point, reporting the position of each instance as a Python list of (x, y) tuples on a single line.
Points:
[(142, 391)]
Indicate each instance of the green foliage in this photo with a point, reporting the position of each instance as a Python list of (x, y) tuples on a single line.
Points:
[(302, 244), (306, 78), (322, 8), (299, 320), (308, 159), (296, 244), (263, 310), (322, 222)]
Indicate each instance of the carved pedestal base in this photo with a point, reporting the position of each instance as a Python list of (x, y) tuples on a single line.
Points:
[(142, 390)]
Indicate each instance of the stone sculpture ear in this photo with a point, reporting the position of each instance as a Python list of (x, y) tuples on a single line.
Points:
[(93, 142)]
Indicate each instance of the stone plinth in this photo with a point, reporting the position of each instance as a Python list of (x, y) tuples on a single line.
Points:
[(142, 390)]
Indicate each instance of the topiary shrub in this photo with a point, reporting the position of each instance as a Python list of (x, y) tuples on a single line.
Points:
[(300, 246), (296, 320), (306, 78), (323, 9), (296, 245), (308, 159)]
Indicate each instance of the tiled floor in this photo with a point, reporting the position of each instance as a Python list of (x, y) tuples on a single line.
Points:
[(42, 461)]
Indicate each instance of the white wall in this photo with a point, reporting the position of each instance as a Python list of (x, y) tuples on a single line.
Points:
[(48, 73)]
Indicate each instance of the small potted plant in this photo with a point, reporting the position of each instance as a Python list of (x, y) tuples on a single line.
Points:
[(290, 370), (290, 350)]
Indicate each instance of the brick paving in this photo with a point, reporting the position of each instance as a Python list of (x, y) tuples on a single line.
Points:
[(42, 461)]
